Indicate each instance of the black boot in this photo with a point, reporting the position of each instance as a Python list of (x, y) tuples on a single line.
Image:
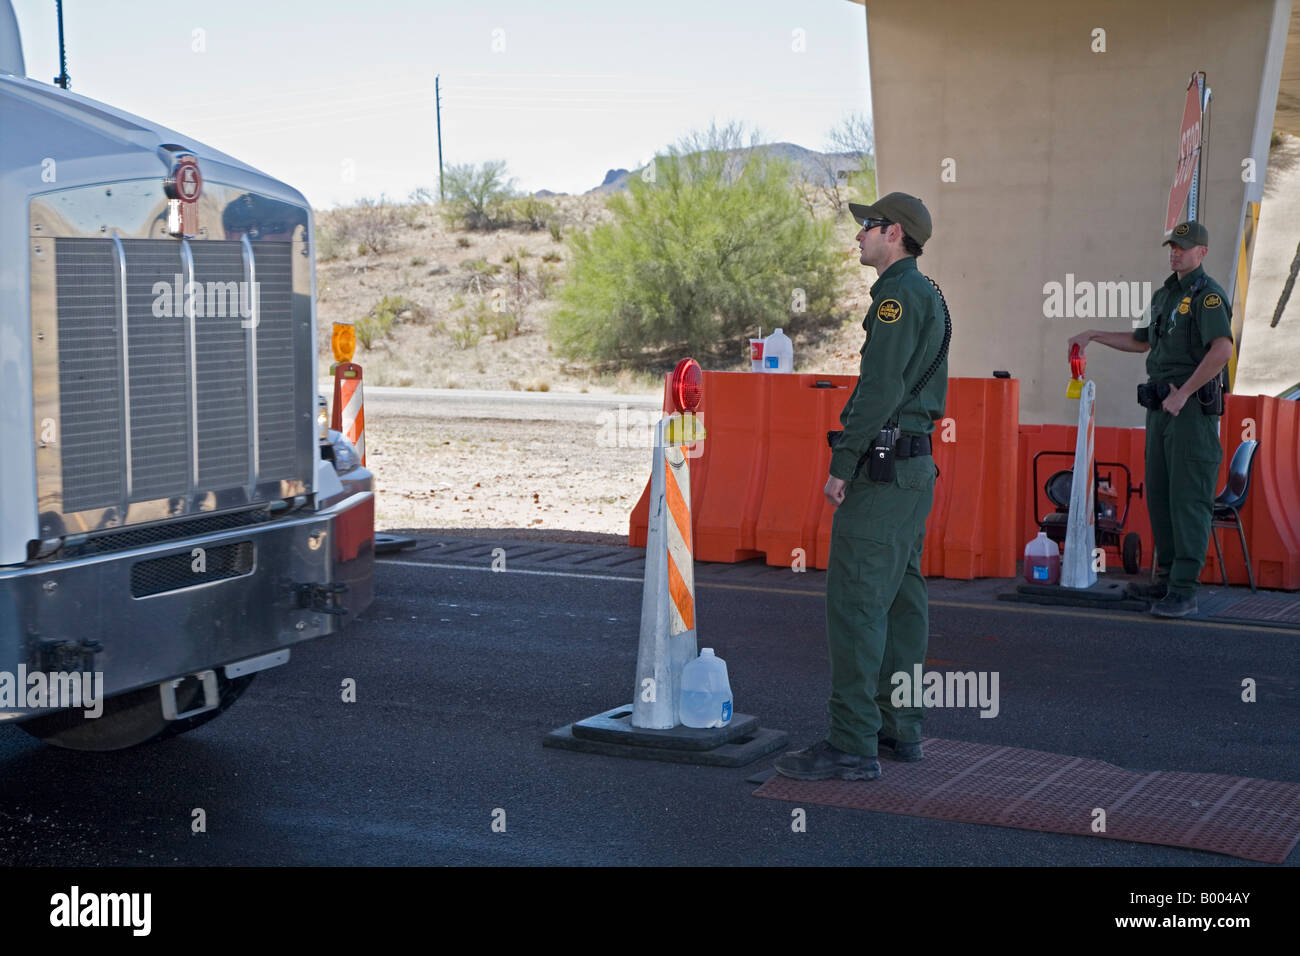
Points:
[(1148, 592), (906, 751), (1175, 605), (824, 762)]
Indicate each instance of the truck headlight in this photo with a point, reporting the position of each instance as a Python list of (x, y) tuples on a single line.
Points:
[(322, 418)]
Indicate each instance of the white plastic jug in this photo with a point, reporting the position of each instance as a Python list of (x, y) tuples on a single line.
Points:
[(1042, 560), (778, 353), (706, 692)]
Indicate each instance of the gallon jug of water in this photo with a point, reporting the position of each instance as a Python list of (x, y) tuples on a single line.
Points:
[(778, 353), (1042, 560), (706, 692)]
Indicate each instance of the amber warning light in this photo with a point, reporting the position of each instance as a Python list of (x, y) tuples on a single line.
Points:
[(343, 341)]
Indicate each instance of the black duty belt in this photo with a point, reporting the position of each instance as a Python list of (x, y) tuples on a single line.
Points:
[(912, 446)]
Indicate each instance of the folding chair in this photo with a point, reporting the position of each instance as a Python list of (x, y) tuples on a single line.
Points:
[(1230, 501)]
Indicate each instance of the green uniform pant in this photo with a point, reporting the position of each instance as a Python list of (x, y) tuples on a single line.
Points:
[(1183, 455), (877, 609)]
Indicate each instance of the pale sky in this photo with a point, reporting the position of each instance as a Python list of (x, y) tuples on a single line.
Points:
[(337, 98)]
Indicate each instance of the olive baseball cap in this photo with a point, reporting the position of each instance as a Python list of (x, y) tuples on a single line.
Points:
[(1188, 234), (908, 211)]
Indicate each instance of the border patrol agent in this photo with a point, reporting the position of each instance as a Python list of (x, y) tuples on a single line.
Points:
[(1187, 334), (881, 485)]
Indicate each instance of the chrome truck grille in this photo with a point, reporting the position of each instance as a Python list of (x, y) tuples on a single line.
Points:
[(149, 410)]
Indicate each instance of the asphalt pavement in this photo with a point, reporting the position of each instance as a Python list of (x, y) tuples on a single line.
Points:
[(461, 671)]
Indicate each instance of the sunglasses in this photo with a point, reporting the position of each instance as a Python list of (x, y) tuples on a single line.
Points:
[(869, 224)]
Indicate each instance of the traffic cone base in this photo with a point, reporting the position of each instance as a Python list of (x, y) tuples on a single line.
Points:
[(611, 734)]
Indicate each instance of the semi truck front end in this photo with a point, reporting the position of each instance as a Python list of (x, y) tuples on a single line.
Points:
[(173, 514)]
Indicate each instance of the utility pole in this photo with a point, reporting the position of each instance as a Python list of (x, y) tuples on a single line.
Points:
[(437, 96), (62, 79)]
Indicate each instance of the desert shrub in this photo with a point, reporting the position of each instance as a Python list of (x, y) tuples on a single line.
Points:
[(713, 244), (328, 244), (503, 325), (476, 275), (547, 276), (401, 308), (477, 197), (373, 328), (375, 325), (371, 224), (529, 212), (409, 214), (467, 332)]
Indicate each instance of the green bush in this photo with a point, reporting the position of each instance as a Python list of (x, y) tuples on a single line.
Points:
[(328, 244), (530, 212), (547, 276), (476, 275), (373, 328), (468, 330), (400, 307), (477, 197), (371, 224), (376, 324), (714, 245), (502, 325)]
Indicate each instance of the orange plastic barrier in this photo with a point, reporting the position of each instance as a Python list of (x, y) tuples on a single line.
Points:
[(758, 483), (794, 518), (765, 461), (1123, 445), (727, 477), (969, 534), (749, 486)]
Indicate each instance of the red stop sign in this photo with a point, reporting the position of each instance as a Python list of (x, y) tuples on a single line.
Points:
[(1189, 150)]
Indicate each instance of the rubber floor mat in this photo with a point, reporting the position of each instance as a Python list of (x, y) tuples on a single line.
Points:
[(1266, 608), (1032, 790)]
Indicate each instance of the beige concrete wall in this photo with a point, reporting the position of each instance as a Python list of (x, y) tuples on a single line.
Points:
[(1063, 160)]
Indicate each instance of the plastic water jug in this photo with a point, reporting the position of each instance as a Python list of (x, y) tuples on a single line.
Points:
[(706, 692), (778, 353), (1042, 560)]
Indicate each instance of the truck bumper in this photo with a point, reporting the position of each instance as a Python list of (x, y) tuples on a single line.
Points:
[(151, 614)]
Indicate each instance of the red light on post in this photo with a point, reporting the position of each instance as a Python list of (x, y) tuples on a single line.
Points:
[(1078, 362), (687, 386)]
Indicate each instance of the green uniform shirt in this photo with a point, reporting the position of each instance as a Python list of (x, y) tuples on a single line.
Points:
[(904, 333), (1181, 325)]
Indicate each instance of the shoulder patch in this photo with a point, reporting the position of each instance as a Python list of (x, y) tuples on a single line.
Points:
[(890, 311), (1212, 301)]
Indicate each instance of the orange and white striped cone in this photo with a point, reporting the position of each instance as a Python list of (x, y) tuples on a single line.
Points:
[(668, 599), (349, 416)]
